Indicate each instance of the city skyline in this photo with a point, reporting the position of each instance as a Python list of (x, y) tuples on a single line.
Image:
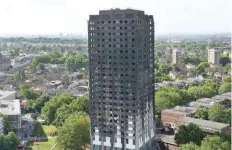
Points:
[(70, 16)]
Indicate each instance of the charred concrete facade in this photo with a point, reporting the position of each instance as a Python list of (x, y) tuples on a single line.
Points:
[(121, 64)]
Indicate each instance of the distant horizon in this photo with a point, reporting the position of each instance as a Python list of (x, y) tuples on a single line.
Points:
[(85, 35)]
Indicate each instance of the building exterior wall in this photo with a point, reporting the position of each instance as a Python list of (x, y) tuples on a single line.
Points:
[(14, 121), (170, 118), (176, 56), (226, 130), (213, 57), (121, 63)]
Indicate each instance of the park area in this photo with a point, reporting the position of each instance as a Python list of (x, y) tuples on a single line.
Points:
[(46, 138)]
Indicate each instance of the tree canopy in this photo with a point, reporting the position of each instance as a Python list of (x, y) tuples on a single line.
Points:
[(75, 62), (59, 107), (189, 133), (216, 113), (201, 67), (165, 100), (27, 92), (75, 132), (214, 143), (48, 112), (202, 91), (202, 113), (224, 87), (189, 146), (79, 105), (224, 60), (9, 141)]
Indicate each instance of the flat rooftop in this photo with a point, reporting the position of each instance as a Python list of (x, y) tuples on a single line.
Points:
[(168, 139), (10, 107), (181, 110), (202, 123), (206, 100), (4, 94), (199, 104)]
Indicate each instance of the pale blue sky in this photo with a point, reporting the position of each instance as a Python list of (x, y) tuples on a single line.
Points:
[(70, 16)]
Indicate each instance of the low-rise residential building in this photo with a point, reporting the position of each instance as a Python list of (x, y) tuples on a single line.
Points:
[(206, 126), (76, 76), (7, 95), (53, 84), (190, 66), (8, 87), (11, 108), (169, 116)]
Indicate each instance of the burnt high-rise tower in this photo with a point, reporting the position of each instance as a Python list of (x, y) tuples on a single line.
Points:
[(121, 64)]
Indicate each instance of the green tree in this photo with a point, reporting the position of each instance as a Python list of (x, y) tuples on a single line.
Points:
[(214, 143), (55, 54), (227, 79), (40, 67), (202, 113), (192, 59), (224, 60), (201, 67), (202, 91), (27, 92), (79, 105), (216, 113), (75, 62), (224, 87), (189, 146), (20, 75), (227, 116), (189, 133), (74, 133), (9, 141), (48, 112), (165, 100), (225, 136), (40, 102)]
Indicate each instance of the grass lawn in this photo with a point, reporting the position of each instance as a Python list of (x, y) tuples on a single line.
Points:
[(44, 130), (45, 145)]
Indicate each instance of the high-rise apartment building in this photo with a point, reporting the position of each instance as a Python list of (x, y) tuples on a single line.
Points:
[(176, 56), (121, 64), (213, 56)]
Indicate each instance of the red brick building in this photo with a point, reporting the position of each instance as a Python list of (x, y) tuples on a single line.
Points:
[(170, 116)]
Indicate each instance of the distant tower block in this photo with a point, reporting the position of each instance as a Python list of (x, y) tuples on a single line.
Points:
[(121, 64), (176, 56), (213, 57)]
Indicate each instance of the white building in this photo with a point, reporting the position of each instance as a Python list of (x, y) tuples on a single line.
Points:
[(11, 108), (176, 56), (213, 57), (7, 95)]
